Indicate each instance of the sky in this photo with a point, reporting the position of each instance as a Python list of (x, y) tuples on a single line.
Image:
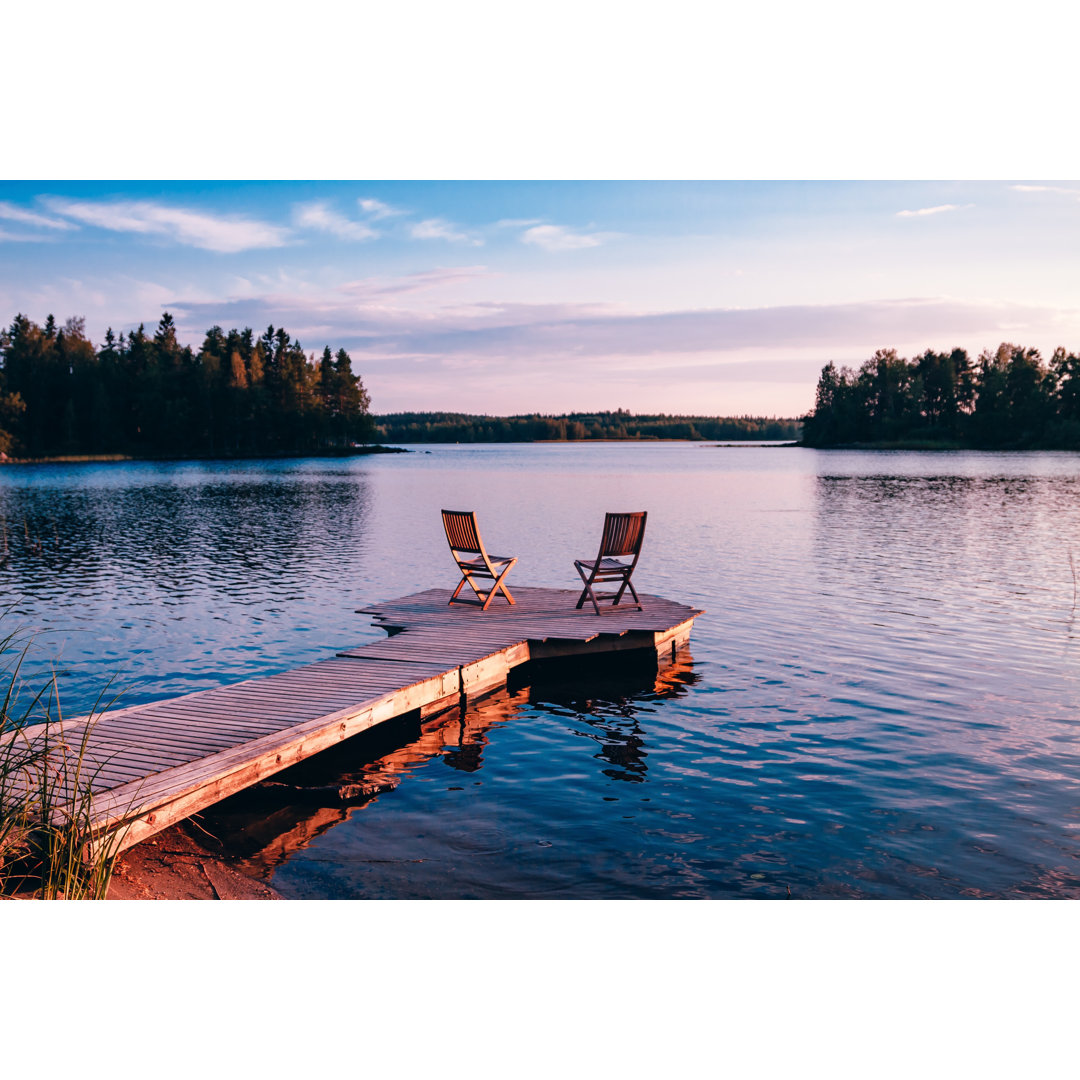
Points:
[(714, 298)]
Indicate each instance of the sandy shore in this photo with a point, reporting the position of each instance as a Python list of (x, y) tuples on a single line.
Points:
[(174, 866)]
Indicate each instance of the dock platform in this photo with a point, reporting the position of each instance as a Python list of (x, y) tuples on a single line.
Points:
[(153, 765)]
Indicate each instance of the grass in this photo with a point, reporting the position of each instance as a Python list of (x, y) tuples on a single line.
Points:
[(50, 848)]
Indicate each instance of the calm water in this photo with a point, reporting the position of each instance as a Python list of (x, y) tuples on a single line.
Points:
[(880, 702)]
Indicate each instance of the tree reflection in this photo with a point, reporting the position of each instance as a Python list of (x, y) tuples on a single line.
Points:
[(177, 520), (156, 567)]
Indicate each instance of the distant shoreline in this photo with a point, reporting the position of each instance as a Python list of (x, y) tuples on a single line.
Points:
[(360, 451), (98, 459), (893, 444), (940, 447)]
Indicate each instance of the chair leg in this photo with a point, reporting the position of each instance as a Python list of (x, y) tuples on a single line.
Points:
[(622, 588), (587, 591), (483, 599), (467, 577), (497, 587), (479, 595)]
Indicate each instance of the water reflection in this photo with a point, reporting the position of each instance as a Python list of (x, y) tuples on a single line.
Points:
[(236, 538), (266, 824), (145, 577), (270, 824), (608, 701)]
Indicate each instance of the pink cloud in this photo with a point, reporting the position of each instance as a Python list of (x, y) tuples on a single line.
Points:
[(519, 356)]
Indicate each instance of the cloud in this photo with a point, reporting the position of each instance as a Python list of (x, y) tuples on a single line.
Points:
[(377, 289), (561, 238), (116, 300), (357, 313), (926, 211), (194, 228), (29, 238), (577, 330), (413, 344), (376, 209), (11, 212), (1074, 192), (319, 215), (439, 229)]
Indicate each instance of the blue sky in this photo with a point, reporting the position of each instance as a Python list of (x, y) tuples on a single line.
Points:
[(697, 297)]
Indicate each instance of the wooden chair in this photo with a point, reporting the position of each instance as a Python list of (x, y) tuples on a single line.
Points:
[(623, 534), (464, 539)]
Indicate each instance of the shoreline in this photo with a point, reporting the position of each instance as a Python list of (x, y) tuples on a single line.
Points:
[(175, 865), (380, 448), (940, 448), (98, 459)]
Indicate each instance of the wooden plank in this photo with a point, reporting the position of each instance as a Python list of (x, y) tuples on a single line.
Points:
[(187, 720), (98, 759), (302, 685), (191, 788), (443, 656), (414, 662), (277, 697), (149, 738), (331, 728)]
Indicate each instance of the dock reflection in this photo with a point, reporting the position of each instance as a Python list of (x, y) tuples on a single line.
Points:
[(261, 827), (610, 703)]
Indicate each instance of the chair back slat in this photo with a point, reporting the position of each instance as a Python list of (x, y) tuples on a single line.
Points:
[(623, 534), (461, 531)]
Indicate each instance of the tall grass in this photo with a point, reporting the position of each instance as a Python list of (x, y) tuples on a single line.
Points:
[(49, 846)]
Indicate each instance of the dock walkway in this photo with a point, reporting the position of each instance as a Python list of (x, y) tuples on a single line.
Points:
[(153, 765)]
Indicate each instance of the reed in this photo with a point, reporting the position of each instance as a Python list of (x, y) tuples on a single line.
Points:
[(49, 847)]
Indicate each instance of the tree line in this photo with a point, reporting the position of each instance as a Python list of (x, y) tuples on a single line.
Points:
[(425, 427), (1009, 398), (147, 395)]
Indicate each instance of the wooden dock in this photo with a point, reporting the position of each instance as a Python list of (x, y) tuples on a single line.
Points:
[(153, 765)]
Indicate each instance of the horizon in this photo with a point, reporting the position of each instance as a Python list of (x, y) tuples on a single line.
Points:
[(513, 298)]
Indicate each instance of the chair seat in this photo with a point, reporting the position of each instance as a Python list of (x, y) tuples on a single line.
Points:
[(605, 564), (478, 563)]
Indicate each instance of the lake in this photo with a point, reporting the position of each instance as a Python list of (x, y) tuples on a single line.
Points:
[(881, 700)]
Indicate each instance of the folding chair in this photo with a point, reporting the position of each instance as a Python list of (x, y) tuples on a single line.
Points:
[(464, 539), (623, 534)]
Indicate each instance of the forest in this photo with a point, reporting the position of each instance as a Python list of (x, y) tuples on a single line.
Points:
[(1006, 399), (146, 395), (421, 427)]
